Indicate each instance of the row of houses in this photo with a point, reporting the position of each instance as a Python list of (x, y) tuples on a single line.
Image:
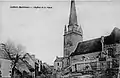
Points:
[(22, 68), (26, 67)]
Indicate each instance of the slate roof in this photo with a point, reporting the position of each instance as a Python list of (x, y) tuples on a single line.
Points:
[(95, 45), (58, 59)]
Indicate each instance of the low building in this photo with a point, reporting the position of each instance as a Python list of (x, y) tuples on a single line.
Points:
[(58, 63)]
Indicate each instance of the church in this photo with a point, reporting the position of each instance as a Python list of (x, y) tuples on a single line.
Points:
[(96, 58)]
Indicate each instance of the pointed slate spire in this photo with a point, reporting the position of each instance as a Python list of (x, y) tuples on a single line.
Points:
[(73, 15)]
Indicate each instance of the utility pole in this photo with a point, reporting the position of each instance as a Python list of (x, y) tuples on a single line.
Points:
[(102, 42), (102, 58)]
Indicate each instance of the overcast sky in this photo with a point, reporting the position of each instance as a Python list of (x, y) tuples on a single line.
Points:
[(41, 30)]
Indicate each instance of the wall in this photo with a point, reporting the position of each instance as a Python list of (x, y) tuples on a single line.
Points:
[(84, 62), (56, 65), (5, 67), (79, 58)]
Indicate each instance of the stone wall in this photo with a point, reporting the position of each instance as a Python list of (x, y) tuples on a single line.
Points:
[(5, 67)]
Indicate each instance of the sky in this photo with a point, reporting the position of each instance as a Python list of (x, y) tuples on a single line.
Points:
[(41, 30)]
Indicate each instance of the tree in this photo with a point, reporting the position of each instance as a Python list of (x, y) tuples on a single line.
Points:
[(14, 53)]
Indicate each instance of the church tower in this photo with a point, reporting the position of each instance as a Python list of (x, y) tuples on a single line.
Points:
[(72, 33)]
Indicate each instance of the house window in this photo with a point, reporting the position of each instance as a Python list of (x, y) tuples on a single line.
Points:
[(57, 64)]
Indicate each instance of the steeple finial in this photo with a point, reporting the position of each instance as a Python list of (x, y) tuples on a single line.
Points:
[(73, 15)]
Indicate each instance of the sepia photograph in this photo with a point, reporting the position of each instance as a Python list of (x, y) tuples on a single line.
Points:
[(59, 38)]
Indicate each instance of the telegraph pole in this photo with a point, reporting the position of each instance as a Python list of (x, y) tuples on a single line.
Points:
[(102, 57), (102, 42)]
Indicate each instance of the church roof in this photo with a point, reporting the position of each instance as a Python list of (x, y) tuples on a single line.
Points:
[(95, 45)]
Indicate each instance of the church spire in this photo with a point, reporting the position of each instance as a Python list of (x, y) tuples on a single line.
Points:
[(73, 15)]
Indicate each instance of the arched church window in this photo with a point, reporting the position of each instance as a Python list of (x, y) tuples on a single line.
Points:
[(110, 52)]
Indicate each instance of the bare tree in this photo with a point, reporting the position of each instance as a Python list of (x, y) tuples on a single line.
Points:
[(13, 53)]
